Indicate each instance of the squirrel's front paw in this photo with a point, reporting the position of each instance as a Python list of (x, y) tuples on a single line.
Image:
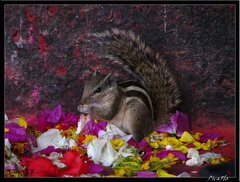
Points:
[(83, 108)]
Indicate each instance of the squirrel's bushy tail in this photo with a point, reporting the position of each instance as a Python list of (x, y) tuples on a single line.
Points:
[(129, 51)]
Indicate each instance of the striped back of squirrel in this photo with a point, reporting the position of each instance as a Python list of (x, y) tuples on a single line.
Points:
[(135, 89)]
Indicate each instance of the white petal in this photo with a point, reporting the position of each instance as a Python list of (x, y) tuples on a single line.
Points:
[(192, 152), (81, 123), (209, 155), (108, 154), (112, 128), (94, 149), (48, 138)]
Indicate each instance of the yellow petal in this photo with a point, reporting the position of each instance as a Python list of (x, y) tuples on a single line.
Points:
[(121, 172), (197, 145), (22, 122), (163, 173), (175, 143), (89, 138), (145, 166), (117, 143), (207, 145), (215, 161), (197, 136), (6, 130), (187, 137), (154, 145), (154, 159), (183, 149)]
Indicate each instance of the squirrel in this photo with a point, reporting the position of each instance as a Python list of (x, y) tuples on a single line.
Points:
[(137, 108)]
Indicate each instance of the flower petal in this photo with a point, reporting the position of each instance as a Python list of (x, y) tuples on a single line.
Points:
[(211, 135), (187, 137), (95, 168), (163, 173), (176, 153), (179, 124), (55, 115), (48, 150), (146, 174), (16, 133)]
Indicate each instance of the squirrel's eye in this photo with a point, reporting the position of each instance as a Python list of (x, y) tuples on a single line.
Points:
[(98, 90)]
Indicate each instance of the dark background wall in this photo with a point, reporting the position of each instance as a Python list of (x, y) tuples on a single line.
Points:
[(45, 62)]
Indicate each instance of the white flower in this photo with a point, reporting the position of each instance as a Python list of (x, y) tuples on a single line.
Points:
[(81, 123), (196, 159), (101, 150), (209, 155), (108, 154), (50, 137), (54, 156), (7, 146), (94, 149)]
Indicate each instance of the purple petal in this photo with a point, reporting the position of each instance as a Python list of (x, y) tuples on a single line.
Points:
[(33, 139), (48, 151), (42, 123), (16, 133), (176, 153), (55, 114), (190, 145), (70, 120), (179, 124), (144, 146), (93, 128), (133, 143), (95, 168), (147, 174), (182, 123), (204, 138), (146, 155), (166, 129)]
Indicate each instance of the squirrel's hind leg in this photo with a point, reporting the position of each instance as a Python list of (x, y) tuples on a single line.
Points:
[(140, 121)]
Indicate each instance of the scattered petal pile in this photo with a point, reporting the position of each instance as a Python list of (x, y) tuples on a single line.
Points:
[(69, 145)]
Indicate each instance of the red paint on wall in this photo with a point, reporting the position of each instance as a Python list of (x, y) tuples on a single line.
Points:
[(42, 44), (61, 70)]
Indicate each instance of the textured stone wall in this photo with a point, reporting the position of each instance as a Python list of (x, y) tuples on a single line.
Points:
[(45, 62)]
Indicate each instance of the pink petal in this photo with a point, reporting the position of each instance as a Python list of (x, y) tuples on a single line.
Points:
[(55, 114), (190, 145), (42, 123), (204, 138), (48, 151), (146, 174), (92, 128), (166, 128), (179, 124), (95, 168), (176, 153), (182, 123), (16, 133)]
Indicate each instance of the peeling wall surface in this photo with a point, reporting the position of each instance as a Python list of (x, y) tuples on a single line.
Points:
[(45, 63)]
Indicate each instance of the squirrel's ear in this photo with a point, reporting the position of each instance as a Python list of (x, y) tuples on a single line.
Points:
[(95, 73), (110, 78)]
